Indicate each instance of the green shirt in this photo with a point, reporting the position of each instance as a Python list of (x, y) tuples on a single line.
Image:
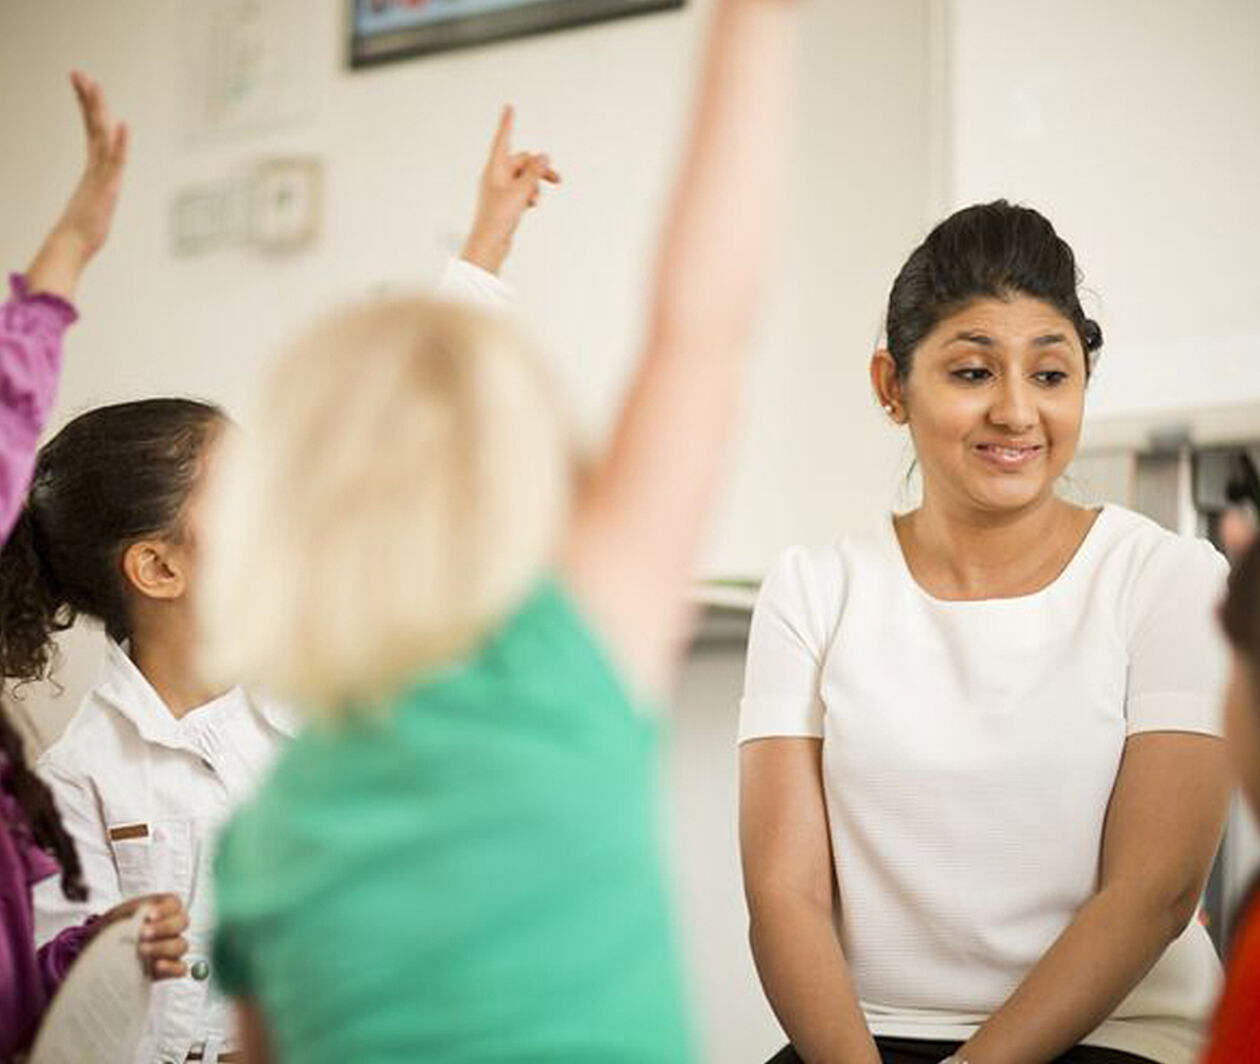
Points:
[(471, 876)]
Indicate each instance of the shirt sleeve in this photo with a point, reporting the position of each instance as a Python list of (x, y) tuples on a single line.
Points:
[(76, 804), (797, 610), (463, 282), (31, 329), (1178, 658), (57, 955)]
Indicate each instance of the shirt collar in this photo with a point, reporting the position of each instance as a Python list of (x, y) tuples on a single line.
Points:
[(124, 689)]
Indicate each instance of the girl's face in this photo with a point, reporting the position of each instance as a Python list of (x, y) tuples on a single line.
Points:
[(1242, 729), (994, 401)]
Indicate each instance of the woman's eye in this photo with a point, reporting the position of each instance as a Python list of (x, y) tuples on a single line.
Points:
[(1051, 376), (972, 374)]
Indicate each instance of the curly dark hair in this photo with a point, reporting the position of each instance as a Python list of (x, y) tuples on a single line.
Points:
[(109, 478), (112, 476), (36, 802)]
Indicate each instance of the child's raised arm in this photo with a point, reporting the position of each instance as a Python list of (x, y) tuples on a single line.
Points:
[(510, 185), (35, 317), (639, 520), (84, 225)]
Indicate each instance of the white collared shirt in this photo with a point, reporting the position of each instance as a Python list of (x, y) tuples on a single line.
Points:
[(144, 795)]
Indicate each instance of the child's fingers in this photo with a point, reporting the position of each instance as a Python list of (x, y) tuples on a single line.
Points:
[(118, 150), (164, 920), (170, 949), (164, 969), (95, 114), (166, 929), (518, 161), (501, 148)]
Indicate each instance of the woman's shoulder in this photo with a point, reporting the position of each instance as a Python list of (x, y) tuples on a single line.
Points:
[(823, 570), (1142, 550), (807, 586)]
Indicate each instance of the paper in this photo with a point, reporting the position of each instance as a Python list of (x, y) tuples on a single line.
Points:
[(99, 1012)]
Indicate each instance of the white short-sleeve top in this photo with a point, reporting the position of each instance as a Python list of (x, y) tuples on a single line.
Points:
[(969, 752)]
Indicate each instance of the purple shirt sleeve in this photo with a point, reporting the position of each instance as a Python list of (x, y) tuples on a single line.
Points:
[(28, 977), (55, 957), (31, 328)]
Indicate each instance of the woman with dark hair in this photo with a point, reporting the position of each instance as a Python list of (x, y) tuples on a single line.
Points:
[(981, 780), (154, 760), (1235, 1035), (33, 842)]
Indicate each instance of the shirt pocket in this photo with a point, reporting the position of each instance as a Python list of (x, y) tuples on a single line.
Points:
[(151, 857)]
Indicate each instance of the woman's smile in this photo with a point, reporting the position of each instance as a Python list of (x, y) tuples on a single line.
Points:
[(1009, 457)]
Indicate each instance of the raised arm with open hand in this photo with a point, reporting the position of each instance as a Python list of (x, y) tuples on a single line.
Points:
[(639, 520), (36, 316), (84, 225), (510, 183)]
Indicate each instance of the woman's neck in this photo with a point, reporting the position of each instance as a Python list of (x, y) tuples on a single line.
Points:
[(165, 654), (957, 553)]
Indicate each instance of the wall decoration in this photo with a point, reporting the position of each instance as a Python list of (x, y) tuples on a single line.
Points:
[(383, 30)]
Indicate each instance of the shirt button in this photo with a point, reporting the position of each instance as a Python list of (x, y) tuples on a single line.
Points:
[(200, 971)]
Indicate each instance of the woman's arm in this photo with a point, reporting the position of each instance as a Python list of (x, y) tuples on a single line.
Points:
[(1162, 830), (641, 513), (788, 884)]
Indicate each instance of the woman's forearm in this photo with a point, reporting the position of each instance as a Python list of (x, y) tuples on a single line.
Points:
[(807, 982), (1098, 959)]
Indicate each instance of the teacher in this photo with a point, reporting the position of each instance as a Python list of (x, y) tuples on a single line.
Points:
[(981, 777)]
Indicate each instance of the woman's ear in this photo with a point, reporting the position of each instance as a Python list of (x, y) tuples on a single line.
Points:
[(155, 568), (887, 385)]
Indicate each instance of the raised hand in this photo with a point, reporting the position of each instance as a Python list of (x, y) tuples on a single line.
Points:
[(85, 222), (510, 184)]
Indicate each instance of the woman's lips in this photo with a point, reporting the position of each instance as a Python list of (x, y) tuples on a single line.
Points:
[(1009, 455)]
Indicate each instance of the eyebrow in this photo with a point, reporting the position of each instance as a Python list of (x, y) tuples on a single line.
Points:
[(984, 340), (967, 336)]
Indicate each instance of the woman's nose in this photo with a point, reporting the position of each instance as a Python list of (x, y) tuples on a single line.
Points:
[(1014, 407)]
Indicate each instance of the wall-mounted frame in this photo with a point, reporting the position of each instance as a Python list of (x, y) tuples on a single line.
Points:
[(385, 30)]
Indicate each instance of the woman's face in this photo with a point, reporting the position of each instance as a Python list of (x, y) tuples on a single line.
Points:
[(994, 401), (1242, 729)]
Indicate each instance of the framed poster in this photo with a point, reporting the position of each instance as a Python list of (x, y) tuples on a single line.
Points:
[(383, 30)]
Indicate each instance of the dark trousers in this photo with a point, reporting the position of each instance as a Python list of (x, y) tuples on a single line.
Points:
[(919, 1051)]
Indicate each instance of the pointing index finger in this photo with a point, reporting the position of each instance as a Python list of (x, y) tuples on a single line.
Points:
[(502, 147)]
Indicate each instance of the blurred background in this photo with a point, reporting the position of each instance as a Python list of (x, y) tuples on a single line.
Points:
[(269, 179)]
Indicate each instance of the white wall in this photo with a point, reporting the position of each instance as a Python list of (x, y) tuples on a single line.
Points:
[(1135, 125), (402, 145)]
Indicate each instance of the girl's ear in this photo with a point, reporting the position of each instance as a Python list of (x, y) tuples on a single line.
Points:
[(155, 568)]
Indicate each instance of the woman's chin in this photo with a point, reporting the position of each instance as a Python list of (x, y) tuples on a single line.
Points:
[(1007, 494)]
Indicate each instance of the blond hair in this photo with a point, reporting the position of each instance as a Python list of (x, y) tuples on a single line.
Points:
[(404, 488)]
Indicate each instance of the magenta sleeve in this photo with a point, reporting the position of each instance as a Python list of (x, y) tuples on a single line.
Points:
[(56, 957), (31, 329)]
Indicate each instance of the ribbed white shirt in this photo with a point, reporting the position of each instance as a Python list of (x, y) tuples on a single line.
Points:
[(969, 752)]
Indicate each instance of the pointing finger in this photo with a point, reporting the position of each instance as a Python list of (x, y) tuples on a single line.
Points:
[(500, 150)]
